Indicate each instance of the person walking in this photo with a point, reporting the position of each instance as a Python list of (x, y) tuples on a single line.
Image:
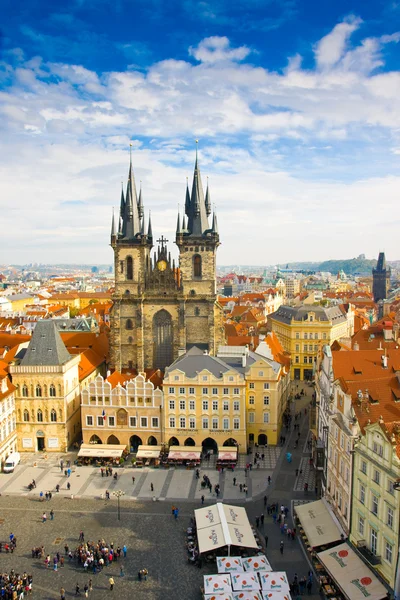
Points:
[(52, 515), (90, 583), (176, 513), (44, 517), (77, 590), (265, 501), (121, 571), (133, 480), (202, 500), (111, 582), (124, 550), (257, 522), (152, 487), (266, 541), (86, 590), (262, 518), (281, 546), (62, 594), (234, 481)]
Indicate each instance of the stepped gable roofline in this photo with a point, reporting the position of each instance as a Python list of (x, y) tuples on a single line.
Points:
[(195, 360), (46, 347)]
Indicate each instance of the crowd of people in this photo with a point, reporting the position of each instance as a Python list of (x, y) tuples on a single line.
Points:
[(14, 585)]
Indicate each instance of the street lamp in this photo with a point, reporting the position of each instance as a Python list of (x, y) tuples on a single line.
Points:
[(118, 494)]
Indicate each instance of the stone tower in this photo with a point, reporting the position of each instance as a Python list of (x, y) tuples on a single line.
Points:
[(160, 310), (381, 279)]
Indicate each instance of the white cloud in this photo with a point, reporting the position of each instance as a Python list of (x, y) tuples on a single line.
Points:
[(331, 48), (65, 131), (216, 49)]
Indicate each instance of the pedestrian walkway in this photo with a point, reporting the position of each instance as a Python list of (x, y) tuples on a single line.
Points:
[(283, 491)]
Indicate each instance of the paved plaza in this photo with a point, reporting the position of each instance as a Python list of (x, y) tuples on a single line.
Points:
[(169, 484), (154, 539)]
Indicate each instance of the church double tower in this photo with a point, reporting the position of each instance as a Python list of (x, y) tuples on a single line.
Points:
[(159, 309)]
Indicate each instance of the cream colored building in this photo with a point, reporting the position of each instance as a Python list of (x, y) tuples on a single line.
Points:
[(8, 433), (205, 402), (47, 393), (123, 410)]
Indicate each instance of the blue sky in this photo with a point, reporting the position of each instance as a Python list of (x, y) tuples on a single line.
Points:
[(295, 105)]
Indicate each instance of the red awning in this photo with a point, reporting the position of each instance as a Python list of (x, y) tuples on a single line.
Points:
[(227, 456), (176, 455)]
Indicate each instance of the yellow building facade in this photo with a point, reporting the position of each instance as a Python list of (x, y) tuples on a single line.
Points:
[(303, 330), (267, 391), (129, 413)]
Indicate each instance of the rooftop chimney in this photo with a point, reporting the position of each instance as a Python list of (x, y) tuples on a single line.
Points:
[(356, 346)]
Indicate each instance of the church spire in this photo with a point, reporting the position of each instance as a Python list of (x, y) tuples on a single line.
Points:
[(113, 227), (187, 199), (214, 228), (131, 221), (150, 230), (197, 213), (208, 200), (178, 225), (140, 202)]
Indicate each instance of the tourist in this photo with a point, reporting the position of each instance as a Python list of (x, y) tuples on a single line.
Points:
[(111, 582)]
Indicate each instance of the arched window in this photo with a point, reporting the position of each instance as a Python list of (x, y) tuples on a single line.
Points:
[(129, 324), (129, 267), (40, 416), (52, 390), (53, 416), (25, 391), (197, 311), (26, 416), (38, 391), (197, 265)]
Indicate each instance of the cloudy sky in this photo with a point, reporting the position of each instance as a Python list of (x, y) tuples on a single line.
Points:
[(295, 104)]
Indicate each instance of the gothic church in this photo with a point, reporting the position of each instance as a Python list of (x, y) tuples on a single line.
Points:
[(160, 310)]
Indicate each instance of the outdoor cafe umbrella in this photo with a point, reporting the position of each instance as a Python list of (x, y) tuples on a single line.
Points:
[(256, 563), (276, 581), (242, 582), (229, 564), (217, 584)]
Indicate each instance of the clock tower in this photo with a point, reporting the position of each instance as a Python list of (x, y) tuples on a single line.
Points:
[(161, 309)]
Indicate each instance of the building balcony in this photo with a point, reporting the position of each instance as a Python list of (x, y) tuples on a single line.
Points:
[(373, 559)]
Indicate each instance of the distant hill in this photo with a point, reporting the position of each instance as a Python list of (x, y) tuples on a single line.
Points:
[(351, 266)]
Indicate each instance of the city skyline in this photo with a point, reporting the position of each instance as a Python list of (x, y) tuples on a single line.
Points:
[(296, 114)]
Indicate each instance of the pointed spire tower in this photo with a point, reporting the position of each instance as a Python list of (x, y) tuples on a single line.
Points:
[(131, 220), (208, 200)]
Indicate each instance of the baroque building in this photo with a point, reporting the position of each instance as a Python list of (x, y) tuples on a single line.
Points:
[(159, 309)]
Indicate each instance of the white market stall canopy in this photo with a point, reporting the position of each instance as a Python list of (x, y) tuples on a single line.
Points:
[(351, 574), (229, 564), (318, 524), (227, 453), (276, 581), (184, 452), (256, 563), (223, 525), (101, 450), (276, 596), (148, 452), (217, 584)]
